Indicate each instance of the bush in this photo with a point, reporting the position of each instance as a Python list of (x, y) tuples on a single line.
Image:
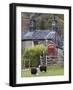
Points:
[(33, 54)]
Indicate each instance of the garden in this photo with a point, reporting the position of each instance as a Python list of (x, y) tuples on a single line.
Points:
[(31, 61)]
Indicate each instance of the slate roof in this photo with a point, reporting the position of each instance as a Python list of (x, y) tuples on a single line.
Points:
[(37, 34), (42, 35)]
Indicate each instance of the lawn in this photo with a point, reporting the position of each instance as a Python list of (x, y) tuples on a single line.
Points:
[(51, 71)]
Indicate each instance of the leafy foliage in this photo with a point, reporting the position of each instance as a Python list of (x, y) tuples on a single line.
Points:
[(32, 55)]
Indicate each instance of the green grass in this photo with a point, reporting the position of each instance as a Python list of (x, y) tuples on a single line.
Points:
[(51, 71)]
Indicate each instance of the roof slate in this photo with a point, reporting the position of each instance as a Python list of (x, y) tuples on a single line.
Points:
[(43, 35)]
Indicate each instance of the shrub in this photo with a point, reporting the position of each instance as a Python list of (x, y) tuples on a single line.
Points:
[(33, 54)]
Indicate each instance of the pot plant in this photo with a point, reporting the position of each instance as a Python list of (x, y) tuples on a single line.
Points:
[(34, 70), (43, 68)]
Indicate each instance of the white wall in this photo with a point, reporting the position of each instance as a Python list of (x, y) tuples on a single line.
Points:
[(26, 44), (4, 45)]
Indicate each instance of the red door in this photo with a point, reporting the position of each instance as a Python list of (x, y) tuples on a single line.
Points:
[(51, 49)]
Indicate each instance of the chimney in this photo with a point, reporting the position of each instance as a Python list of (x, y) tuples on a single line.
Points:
[(55, 26), (32, 23)]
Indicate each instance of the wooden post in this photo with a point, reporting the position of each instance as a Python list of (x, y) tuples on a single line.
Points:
[(46, 59)]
